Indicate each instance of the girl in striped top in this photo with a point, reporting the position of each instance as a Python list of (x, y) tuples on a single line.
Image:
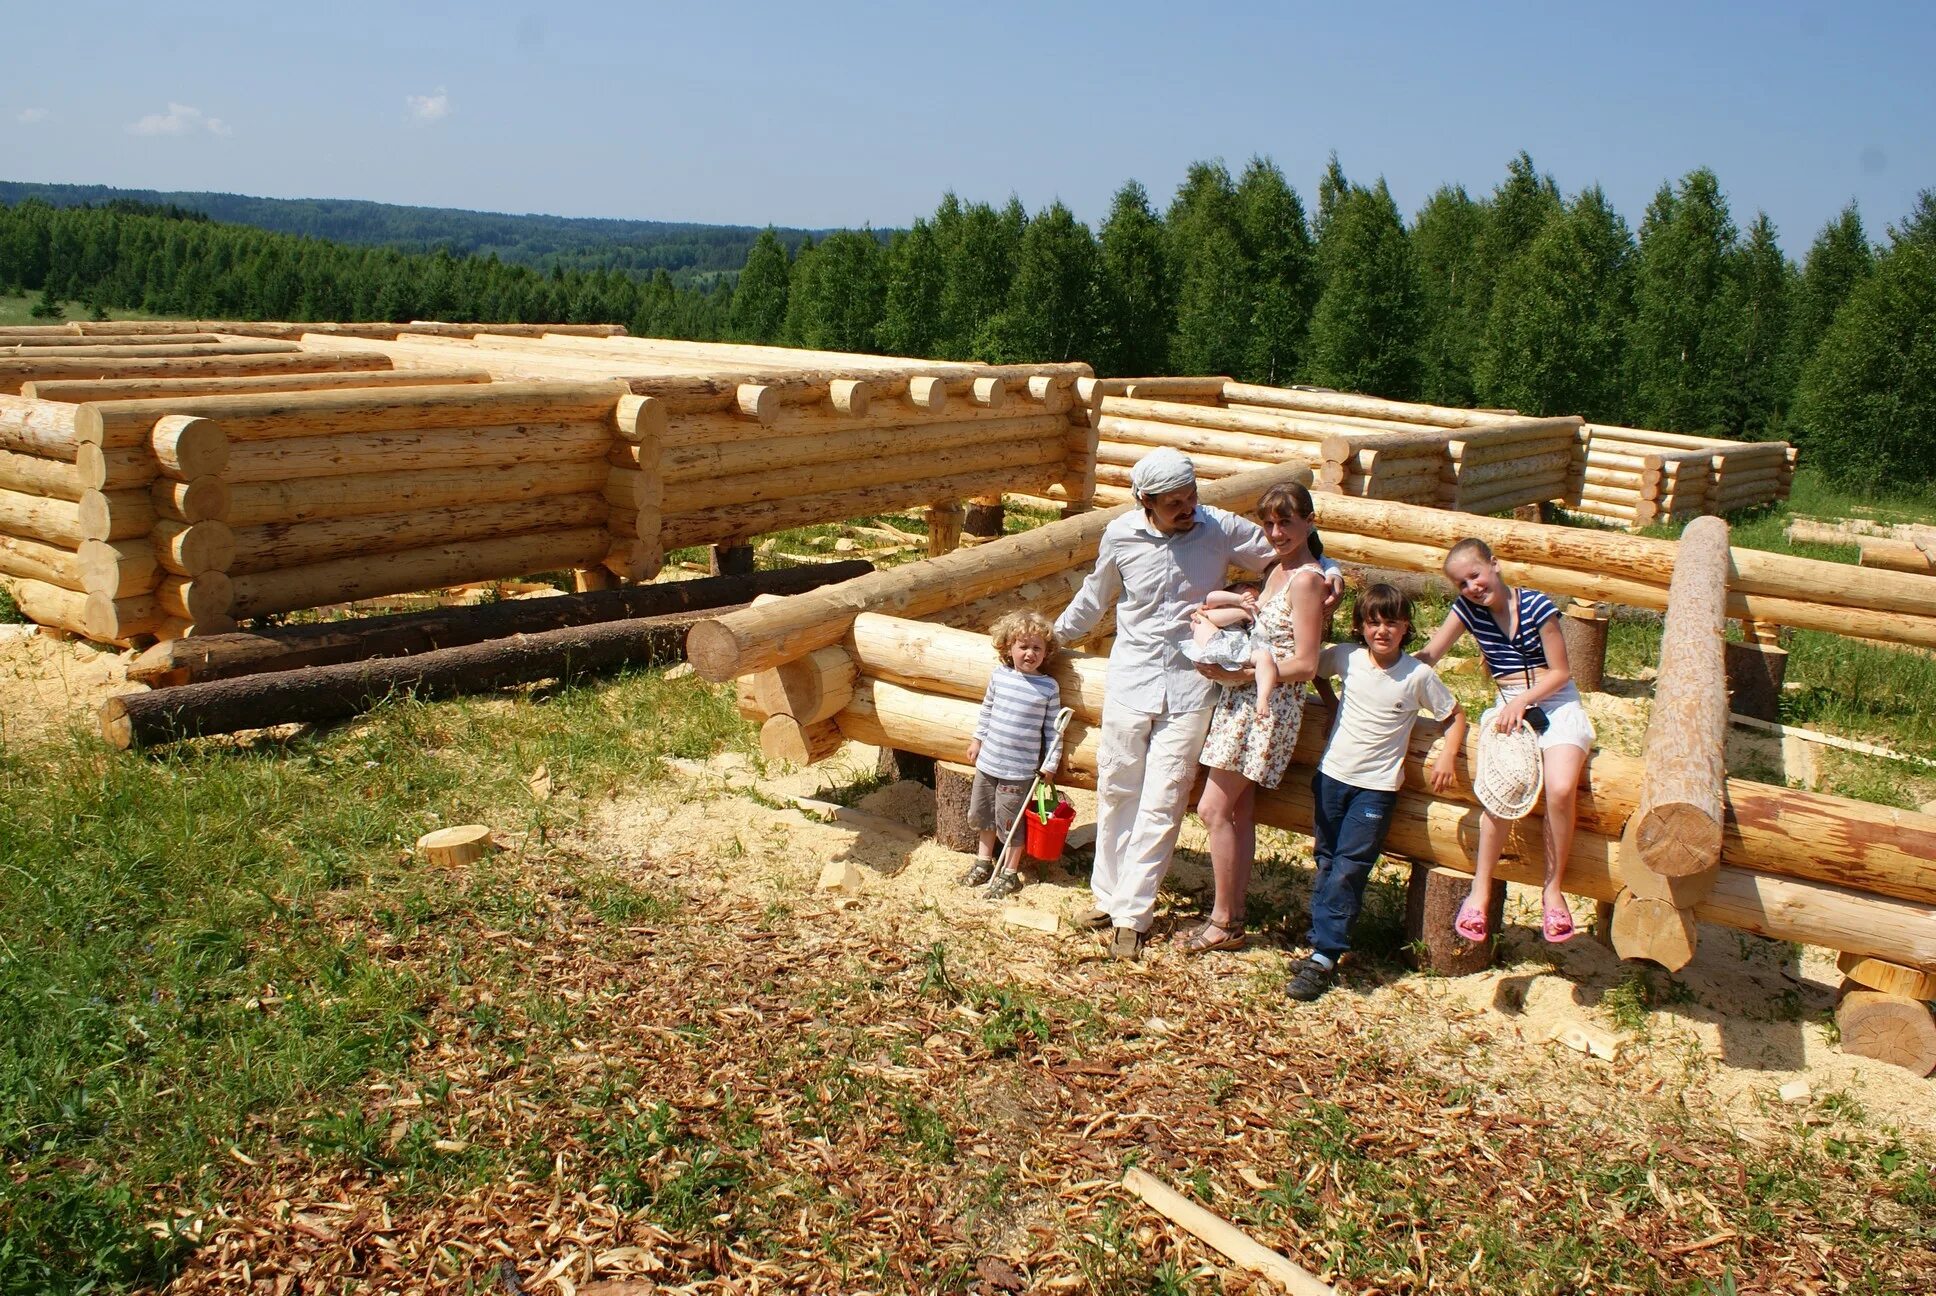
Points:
[(1518, 633)]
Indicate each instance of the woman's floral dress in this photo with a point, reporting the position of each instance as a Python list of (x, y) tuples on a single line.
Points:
[(1239, 739)]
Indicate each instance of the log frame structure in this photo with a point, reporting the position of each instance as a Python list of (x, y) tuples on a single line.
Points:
[(158, 482)]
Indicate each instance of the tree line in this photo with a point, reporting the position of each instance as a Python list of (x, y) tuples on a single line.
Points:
[(1519, 298)]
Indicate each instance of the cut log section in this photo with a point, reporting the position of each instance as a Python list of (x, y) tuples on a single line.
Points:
[(782, 738), (455, 847), (1889, 1028), (1890, 978)]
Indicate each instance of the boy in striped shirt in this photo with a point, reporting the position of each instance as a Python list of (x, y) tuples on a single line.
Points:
[(1015, 738)]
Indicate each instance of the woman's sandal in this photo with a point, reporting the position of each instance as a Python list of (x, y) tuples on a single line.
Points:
[(1556, 925), (1471, 922), (1210, 936)]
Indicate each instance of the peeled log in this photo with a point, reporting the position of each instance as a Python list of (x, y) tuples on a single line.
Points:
[(119, 568), (1678, 827), (37, 427), (345, 580), (316, 499), (79, 391), (106, 470), (187, 447), (15, 372), (1889, 1028), (811, 688), (279, 546), (115, 620), (38, 475), (324, 693), (116, 515), (1893, 555), (37, 561), (1653, 930), (205, 499), (759, 638), (1890, 978), (783, 738), (48, 604), (1683, 892), (283, 648)]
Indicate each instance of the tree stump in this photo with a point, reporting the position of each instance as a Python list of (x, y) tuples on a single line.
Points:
[(586, 580), (733, 560), (1755, 672), (1890, 1028), (455, 847), (1584, 627), (944, 529), (1432, 901), (985, 518), (952, 784), (896, 766)]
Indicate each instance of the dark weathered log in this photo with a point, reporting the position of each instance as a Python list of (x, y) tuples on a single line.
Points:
[(214, 657), (324, 693)]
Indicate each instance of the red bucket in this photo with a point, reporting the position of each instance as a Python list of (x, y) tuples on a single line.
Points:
[(1046, 836)]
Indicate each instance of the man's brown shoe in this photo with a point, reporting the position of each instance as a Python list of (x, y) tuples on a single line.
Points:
[(1126, 943), (1093, 917)]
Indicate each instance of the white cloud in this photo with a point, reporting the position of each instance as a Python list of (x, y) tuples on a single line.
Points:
[(429, 108), (180, 119), (32, 116)]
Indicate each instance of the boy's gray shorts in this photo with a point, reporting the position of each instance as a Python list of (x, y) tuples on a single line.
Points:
[(994, 803)]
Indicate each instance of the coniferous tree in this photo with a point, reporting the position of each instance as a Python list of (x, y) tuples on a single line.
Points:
[(1212, 274), (48, 307), (802, 285), (1515, 214), (760, 300), (1686, 313), (1763, 381), (1560, 312), (1138, 311), (916, 276), (1365, 330), (1839, 259), (1332, 188), (1867, 401), (1283, 275), (1445, 246), (1051, 314)]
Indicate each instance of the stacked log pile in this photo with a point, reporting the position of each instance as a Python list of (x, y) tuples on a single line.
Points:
[(1636, 477), (1474, 460)]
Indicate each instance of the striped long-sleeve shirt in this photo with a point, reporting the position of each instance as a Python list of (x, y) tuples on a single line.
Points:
[(1016, 727)]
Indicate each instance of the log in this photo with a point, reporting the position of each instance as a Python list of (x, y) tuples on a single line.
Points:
[(77, 391), (704, 461), (48, 604), (1032, 444), (279, 546), (1678, 827), (809, 689), (15, 372), (1889, 1028), (953, 785), (1755, 674), (316, 499), (187, 447), (106, 470), (783, 738), (13, 342), (455, 847), (1360, 406), (1116, 430), (759, 638), (1682, 892), (1895, 555), (1890, 978), (35, 517), (36, 560), (202, 599), (37, 427), (293, 647), (117, 620), (192, 548), (1432, 899), (269, 416), (92, 350), (1585, 627), (205, 499), (1223, 1236), (324, 693), (740, 522), (36, 475), (944, 522), (362, 453), (116, 515), (345, 580), (119, 568)]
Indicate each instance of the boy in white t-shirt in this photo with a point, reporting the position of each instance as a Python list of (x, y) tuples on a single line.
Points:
[(1385, 691)]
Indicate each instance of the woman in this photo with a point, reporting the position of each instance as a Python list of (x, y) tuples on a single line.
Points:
[(1245, 749)]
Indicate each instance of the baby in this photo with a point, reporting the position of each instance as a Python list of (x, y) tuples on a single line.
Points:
[(1221, 635)]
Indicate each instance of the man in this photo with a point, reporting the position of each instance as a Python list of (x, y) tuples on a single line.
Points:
[(1155, 567)]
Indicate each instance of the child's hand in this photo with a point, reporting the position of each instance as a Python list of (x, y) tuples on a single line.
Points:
[(974, 750), (1247, 599), (1511, 715), (1445, 772)]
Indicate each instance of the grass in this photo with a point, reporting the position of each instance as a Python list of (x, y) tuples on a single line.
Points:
[(17, 310)]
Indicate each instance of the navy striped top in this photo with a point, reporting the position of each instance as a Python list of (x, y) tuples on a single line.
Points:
[(1017, 725), (1507, 657)]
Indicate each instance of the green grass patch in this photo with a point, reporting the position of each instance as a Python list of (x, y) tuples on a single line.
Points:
[(18, 309)]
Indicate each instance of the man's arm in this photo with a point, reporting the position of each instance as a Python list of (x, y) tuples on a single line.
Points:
[(1098, 594)]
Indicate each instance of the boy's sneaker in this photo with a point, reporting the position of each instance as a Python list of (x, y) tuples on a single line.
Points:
[(1005, 884), (1310, 981), (979, 875)]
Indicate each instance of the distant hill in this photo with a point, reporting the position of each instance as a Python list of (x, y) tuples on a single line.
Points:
[(688, 252)]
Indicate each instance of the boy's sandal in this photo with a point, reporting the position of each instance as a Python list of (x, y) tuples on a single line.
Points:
[(1004, 884), (1471, 922), (1210, 936), (984, 868), (1556, 925)]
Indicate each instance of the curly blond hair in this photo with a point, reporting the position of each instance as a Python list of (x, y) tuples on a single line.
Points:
[(1016, 624)]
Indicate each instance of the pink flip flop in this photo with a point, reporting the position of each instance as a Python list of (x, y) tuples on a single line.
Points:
[(1556, 925), (1470, 922)]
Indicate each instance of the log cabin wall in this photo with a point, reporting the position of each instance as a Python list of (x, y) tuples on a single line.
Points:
[(231, 476), (1636, 477)]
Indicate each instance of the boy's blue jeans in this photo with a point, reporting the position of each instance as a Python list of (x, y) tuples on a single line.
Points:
[(1351, 826)]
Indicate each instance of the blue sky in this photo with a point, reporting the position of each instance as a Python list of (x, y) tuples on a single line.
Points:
[(850, 113)]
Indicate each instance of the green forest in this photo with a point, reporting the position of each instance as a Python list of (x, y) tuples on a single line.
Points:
[(1522, 297)]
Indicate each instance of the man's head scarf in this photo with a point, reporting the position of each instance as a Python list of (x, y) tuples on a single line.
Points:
[(1161, 470)]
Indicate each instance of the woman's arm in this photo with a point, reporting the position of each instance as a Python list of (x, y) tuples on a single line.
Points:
[(1550, 681), (1308, 591), (1442, 640)]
